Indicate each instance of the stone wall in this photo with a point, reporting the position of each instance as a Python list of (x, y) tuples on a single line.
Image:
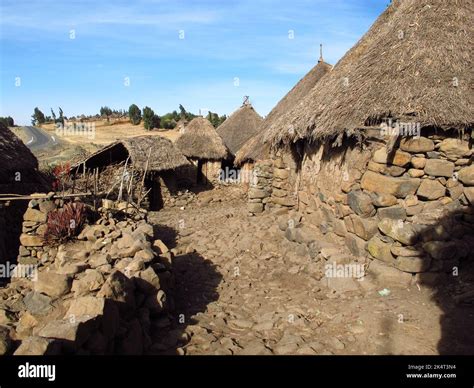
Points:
[(3, 234), (94, 295), (34, 227), (411, 209), (260, 187), (211, 170)]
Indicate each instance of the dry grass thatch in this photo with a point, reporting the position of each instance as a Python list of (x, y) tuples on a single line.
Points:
[(200, 140), (414, 65), (14, 155), (243, 124), (164, 155), (255, 148)]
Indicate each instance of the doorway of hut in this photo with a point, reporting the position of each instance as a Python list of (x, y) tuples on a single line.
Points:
[(229, 173), (200, 174), (155, 199)]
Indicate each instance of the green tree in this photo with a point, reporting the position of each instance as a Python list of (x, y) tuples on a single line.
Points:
[(150, 120), (61, 116), (106, 111), (214, 119), (53, 115), (37, 117), (135, 114), (7, 121), (182, 112)]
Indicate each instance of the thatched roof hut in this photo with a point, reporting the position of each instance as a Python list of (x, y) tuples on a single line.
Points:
[(163, 156), (413, 65), (200, 140), (242, 125), (16, 157), (255, 148)]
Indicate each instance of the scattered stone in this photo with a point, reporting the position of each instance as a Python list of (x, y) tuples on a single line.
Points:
[(38, 346), (52, 284), (37, 304)]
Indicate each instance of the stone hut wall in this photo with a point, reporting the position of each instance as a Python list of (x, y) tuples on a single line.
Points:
[(260, 187), (211, 170), (411, 209)]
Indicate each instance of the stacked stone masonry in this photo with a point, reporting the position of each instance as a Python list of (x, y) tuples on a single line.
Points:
[(410, 209), (93, 295)]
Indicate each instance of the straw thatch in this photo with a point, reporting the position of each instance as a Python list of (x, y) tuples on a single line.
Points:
[(164, 155), (14, 155), (255, 148), (200, 140), (243, 124), (414, 65)]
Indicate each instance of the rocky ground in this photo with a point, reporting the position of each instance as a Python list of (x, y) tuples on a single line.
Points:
[(242, 287)]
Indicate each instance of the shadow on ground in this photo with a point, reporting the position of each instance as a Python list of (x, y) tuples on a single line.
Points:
[(453, 291), (195, 286)]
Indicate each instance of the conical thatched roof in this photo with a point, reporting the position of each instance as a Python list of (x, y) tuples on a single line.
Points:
[(414, 65), (200, 140), (243, 124), (164, 155), (14, 155), (255, 149), (19, 172)]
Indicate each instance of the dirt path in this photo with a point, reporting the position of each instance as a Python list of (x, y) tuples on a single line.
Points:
[(242, 288)]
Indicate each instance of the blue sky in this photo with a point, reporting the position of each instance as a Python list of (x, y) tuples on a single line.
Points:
[(204, 54)]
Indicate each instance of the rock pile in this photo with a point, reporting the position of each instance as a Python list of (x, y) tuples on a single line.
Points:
[(94, 295)]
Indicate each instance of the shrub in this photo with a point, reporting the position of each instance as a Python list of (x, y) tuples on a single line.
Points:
[(65, 223), (135, 114), (150, 120)]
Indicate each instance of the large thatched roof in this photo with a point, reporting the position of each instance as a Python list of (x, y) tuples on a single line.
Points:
[(19, 172), (414, 65), (243, 124), (163, 156), (14, 155), (200, 140), (255, 149)]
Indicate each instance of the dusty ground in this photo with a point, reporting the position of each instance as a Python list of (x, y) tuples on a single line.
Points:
[(242, 288)]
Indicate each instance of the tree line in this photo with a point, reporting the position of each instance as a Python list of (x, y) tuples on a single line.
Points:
[(134, 114)]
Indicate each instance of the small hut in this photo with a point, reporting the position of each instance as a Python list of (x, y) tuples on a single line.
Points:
[(154, 155), (203, 146), (19, 175), (255, 148), (239, 127), (379, 154)]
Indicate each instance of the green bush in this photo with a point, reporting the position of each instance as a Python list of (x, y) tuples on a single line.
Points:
[(135, 114)]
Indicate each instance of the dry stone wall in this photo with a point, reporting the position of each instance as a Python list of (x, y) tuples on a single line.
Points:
[(411, 209), (95, 295), (260, 187)]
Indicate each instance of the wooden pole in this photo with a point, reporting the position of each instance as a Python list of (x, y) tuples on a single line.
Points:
[(123, 177)]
